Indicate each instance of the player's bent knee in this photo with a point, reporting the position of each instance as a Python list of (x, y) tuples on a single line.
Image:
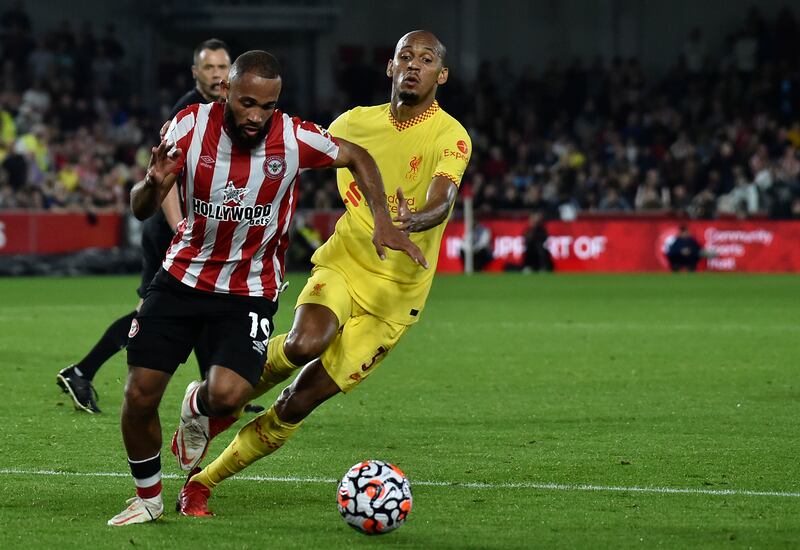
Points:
[(223, 405), (138, 398), (303, 348), (225, 402)]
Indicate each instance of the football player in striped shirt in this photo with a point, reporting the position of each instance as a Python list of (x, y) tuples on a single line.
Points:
[(238, 162), (211, 64), (355, 308)]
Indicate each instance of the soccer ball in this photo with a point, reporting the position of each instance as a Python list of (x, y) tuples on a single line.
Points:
[(374, 497)]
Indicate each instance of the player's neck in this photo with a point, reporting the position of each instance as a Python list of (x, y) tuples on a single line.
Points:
[(204, 96), (403, 111)]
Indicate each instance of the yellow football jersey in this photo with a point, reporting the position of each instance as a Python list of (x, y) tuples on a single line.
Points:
[(409, 154)]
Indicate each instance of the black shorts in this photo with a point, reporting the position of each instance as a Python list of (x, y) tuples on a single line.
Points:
[(173, 316), (156, 238)]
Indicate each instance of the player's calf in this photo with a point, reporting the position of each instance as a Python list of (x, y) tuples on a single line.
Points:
[(312, 387), (191, 438)]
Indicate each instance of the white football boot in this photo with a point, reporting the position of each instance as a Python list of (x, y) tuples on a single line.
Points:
[(191, 439), (139, 510)]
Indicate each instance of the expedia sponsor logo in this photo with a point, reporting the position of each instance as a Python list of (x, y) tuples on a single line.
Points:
[(457, 154), (259, 214), (462, 146)]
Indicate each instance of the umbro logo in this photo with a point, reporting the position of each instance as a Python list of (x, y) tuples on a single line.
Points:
[(206, 161), (259, 347)]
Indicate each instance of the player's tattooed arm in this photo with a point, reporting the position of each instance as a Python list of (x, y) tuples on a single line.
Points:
[(438, 203), (368, 179), (148, 194)]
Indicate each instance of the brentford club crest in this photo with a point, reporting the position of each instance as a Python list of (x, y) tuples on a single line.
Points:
[(274, 167), (134, 329)]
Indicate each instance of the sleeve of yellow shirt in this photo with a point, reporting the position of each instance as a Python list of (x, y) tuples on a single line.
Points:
[(338, 127), (455, 148)]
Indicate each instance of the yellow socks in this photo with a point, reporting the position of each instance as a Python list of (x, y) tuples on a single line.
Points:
[(263, 435), (278, 367)]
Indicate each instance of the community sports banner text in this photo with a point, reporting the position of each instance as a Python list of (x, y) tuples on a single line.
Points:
[(638, 245)]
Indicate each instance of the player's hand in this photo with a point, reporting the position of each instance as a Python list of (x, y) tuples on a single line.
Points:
[(163, 161), (405, 219), (163, 131), (387, 235)]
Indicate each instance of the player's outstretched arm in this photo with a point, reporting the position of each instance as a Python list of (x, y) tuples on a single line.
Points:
[(438, 203), (148, 194), (171, 206), (368, 179)]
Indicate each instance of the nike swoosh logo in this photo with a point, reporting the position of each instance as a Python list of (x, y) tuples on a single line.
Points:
[(183, 453), (126, 520)]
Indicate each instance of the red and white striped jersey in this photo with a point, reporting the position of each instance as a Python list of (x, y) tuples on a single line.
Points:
[(239, 203)]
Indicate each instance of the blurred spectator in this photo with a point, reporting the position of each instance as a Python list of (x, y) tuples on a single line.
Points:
[(481, 246), (537, 256), (683, 252), (305, 241), (33, 146), (612, 201)]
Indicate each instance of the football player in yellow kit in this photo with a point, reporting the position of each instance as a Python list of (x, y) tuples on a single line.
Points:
[(355, 306)]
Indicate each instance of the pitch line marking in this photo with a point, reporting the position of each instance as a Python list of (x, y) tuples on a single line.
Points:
[(453, 484)]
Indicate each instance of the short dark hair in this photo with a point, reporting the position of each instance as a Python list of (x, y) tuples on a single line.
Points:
[(257, 62), (212, 44)]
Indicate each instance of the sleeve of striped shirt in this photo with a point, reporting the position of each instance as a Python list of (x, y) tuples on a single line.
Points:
[(317, 148), (180, 133)]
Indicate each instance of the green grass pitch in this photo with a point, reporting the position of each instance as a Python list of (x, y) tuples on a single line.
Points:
[(528, 411)]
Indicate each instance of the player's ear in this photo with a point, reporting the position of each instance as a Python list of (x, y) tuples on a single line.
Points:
[(194, 72), (389, 68), (224, 88), (443, 74)]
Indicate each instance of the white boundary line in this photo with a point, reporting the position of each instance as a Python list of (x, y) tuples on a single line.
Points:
[(453, 484)]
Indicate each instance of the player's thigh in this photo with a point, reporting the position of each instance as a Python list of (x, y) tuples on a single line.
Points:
[(363, 343), (237, 337), (163, 332), (326, 287)]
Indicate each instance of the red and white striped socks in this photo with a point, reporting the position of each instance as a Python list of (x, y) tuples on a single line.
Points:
[(147, 476)]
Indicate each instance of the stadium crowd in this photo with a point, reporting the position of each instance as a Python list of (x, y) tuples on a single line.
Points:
[(717, 135)]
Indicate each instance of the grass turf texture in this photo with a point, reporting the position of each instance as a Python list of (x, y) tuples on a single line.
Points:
[(627, 381)]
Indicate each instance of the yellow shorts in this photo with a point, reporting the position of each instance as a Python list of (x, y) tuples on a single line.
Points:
[(363, 340)]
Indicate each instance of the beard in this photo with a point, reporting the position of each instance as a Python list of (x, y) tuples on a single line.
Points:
[(409, 98), (236, 131)]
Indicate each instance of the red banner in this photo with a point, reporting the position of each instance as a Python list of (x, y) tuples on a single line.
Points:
[(638, 245), (600, 245), (48, 233)]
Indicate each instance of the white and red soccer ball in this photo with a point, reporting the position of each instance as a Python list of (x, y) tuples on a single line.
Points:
[(374, 497)]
